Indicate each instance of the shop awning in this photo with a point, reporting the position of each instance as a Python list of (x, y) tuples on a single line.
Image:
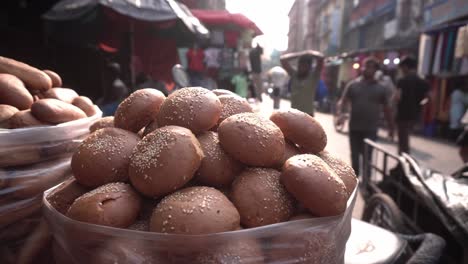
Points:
[(221, 18)]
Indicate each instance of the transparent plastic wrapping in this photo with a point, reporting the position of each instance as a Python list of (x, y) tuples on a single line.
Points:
[(318, 240), (32, 160)]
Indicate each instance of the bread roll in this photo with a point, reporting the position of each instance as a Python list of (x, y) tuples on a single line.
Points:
[(55, 111), (342, 169), (164, 161), (139, 109), (104, 157), (252, 139), (85, 104), (195, 211), (315, 185), (217, 168), (23, 119), (260, 197), (301, 129), (66, 95), (290, 150), (102, 122), (195, 108), (220, 92), (114, 204), (21, 210), (13, 92), (56, 79), (62, 197), (151, 127), (34, 79), (6, 112), (232, 105)]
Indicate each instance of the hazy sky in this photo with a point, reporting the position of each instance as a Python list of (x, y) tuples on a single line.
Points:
[(271, 16)]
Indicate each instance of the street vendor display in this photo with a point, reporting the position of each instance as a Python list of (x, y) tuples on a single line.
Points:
[(245, 191), (41, 125)]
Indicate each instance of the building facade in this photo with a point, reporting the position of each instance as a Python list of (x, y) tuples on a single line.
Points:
[(298, 24), (328, 22)]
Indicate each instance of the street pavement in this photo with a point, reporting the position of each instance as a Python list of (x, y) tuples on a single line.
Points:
[(432, 153)]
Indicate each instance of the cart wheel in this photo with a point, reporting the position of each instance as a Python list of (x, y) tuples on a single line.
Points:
[(382, 211)]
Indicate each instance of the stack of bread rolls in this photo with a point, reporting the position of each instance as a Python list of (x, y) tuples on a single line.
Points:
[(198, 163), (37, 140)]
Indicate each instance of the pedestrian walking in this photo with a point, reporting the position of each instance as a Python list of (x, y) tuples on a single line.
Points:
[(366, 97), (241, 84), (411, 90), (458, 103), (304, 80), (115, 91), (256, 65)]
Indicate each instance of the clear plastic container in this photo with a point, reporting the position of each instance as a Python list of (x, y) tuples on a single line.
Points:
[(32, 160), (318, 240)]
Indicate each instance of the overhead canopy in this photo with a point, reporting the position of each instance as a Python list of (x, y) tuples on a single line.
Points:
[(157, 12), (221, 18)]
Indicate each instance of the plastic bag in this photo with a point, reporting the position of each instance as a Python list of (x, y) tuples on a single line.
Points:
[(32, 160), (319, 240)]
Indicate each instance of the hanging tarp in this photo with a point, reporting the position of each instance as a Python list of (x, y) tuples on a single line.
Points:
[(221, 18)]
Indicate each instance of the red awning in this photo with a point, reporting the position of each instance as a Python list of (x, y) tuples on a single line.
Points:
[(224, 18)]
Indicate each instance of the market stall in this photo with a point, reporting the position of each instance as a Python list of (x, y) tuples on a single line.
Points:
[(141, 36)]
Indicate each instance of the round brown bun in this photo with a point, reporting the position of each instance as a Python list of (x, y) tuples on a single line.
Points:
[(55, 111), (235, 251), (24, 118), (139, 109), (252, 139), (195, 108), (66, 95), (164, 161), (13, 92), (6, 111), (120, 250), (56, 80), (232, 105), (219, 92), (342, 169), (195, 211), (260, 197), (315, 185), (85, 104), (217, 168), (115, 204), (62, 197), (290, 150), (104, 157), (150, 127), (102, 122), (301, 129)]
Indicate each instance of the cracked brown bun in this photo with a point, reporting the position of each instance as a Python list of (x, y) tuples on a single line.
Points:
[(164, 161), (195, 108), (104, 157), (290, 150), (260, 197), (342, 169), (252, 139), (315, 185), (220, 92), (301, 129), (56, 79), (138, 109), (66, 95), (24, 118), (102, 122), (195, 211), (235, 251), (85, 104), (55, 111), (115, 204), (150, 127), (217, 168), (6, 111), (232, 105)]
